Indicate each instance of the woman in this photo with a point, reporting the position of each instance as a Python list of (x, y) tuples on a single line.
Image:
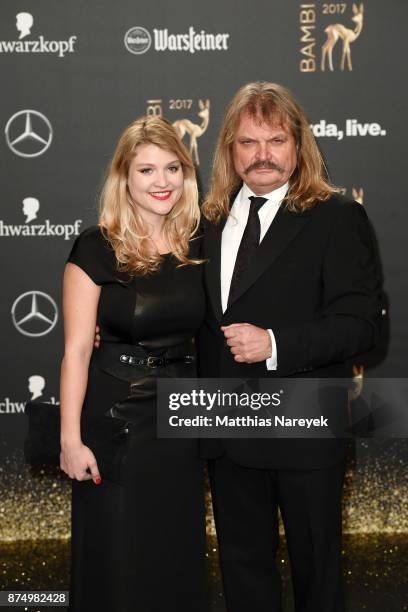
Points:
[(138, 528)]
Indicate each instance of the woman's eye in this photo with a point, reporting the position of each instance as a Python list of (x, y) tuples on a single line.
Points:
[(145, 170), (174, 169)]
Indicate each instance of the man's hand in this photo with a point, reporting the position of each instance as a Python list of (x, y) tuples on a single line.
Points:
[(97, 339), (248, 343)]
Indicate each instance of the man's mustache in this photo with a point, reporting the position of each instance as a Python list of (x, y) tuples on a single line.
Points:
[(264, 164)]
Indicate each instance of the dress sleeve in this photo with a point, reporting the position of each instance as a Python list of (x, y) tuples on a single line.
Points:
[(94, 255)]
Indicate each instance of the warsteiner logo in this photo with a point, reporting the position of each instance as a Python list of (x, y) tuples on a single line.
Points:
[(138, 40), (30, 208), (326, 34), (24, 25)]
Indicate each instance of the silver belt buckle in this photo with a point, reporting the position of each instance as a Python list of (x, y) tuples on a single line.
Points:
[(154, 362)]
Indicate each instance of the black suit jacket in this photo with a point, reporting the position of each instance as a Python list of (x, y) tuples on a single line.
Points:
[(315, 282)]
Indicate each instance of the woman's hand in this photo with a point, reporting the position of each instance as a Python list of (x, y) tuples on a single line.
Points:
[(76, 460)]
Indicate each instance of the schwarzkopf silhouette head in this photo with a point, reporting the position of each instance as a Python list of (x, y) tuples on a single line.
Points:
[(24, 23), (31, 206), (36, 386)]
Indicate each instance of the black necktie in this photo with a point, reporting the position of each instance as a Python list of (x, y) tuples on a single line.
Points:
[(249, 243)]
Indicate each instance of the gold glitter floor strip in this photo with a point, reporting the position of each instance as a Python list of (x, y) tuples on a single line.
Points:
[(375, 571)]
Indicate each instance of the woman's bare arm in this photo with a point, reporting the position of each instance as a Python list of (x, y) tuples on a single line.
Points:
[(80, 303)]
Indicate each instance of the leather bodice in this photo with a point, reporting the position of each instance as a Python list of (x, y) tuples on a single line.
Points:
[(156, 311)]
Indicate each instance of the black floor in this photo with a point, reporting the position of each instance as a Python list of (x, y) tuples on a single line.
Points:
[(375, 572)]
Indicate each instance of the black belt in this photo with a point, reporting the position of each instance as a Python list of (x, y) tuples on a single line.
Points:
[(114, 359), (154, 362)]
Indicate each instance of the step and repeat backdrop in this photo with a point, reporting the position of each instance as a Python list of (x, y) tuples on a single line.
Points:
[(74, 74)]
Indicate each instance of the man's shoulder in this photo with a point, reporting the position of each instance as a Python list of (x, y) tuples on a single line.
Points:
[(206, 225), (336, 201), (337, 206)]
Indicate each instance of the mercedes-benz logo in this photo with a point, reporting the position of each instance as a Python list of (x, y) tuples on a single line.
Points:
[(28, 133), (34, 313)]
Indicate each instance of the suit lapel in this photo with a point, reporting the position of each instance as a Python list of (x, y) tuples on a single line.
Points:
[(283, 229), (281, 232), (212, 252)]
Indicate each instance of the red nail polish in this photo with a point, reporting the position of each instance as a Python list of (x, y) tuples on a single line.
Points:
[(98, 481)]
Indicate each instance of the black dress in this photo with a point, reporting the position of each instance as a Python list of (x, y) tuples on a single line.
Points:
[(138, 542)]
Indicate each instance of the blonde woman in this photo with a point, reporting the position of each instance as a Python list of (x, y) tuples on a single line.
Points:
[(138, 539)]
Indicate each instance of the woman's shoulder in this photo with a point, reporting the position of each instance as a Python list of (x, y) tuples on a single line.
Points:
[(93, 236), (92, 241), (93, 253)]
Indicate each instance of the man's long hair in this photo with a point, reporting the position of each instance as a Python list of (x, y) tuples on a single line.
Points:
[(275, 105)]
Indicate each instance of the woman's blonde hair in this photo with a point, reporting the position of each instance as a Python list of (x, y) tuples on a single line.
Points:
[(272, 104), (119, 219)]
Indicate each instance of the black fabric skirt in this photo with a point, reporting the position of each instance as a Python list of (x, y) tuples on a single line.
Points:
[(138, 542)]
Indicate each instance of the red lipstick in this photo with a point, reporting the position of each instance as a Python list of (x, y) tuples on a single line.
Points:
[(160, 195)]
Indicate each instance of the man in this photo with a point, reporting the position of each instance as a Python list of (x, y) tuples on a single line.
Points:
[(292, 290)]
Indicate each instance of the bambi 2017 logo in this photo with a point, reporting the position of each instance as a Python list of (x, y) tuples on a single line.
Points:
[(328, 33), (190, 128)]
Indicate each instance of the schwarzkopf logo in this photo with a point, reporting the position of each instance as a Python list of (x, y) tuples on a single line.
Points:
[(138, 40), (31, 206), (36, 386), (24, 24)]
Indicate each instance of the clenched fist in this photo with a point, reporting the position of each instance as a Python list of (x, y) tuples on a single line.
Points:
[(248, 343)]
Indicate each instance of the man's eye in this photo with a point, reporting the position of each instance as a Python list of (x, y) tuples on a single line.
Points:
[(246, 142)]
